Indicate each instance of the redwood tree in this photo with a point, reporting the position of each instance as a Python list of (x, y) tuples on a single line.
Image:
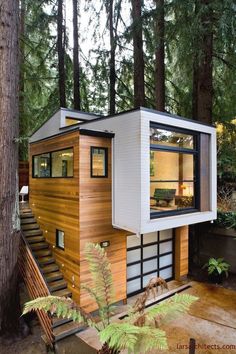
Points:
[(9, 120), (139, 91), (76, 71), (203, 64), (61, 54), (160, 57)]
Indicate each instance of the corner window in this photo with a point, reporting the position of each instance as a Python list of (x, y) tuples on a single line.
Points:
[(41, 165), (53, 164), (99, 162), (60, 239), (62, 163), (173, 171)]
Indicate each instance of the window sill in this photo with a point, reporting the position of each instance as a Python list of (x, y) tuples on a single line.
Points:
[(162, 214)]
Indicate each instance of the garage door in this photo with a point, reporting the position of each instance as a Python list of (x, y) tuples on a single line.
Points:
[(148, 256)]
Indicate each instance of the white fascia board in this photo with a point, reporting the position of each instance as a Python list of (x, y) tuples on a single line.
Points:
[(49, 128)]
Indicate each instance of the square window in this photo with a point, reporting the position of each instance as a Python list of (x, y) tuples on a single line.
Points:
[(60, 239), (99, 162)]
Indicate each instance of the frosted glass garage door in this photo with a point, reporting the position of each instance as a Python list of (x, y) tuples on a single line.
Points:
[(148, 256)]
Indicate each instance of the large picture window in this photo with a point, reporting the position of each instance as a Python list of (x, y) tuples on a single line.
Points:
[(173, 170), (53, 164)]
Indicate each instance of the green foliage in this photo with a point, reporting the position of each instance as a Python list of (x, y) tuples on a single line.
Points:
[(141, 336), (61, 307), (100, 270), (138, 333), (120, 336), (217, 266), (226, 219)]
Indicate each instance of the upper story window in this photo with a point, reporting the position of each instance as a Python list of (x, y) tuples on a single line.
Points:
[(173, 170), (99, 162), (53, 164)]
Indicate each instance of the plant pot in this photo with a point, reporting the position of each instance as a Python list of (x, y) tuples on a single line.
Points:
[(215, 278)]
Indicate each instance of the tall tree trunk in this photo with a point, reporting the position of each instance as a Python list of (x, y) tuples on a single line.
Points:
[(112, 93), (160, 57), (23, 122), (9, 121), (76, 72), (203, 84), (61, 55), (139, 92)]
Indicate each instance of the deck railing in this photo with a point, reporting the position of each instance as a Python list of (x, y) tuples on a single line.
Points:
[(35, 284)]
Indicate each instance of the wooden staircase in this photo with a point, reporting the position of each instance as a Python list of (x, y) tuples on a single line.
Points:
[(42, 276)]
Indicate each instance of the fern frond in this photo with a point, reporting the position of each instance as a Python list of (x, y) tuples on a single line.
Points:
[(121, 336), (100, 270), (61, 307), (150, 338), (167, 310)]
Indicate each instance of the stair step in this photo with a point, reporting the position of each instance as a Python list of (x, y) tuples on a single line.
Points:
[(56, 322), (62, 293), (66, 330), (51, 277), (50, 268), (39, 246), (28, 221), (46, 260), (25, 210), (26, 215), (57, 285), (29, 233), (35, 239), (43, 253), (27, 227)]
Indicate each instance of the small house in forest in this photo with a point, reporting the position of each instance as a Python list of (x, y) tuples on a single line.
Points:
[(131, 182)]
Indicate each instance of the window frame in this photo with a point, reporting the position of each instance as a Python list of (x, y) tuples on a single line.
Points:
[(106, 161), (196, 167), (50, 162), (57, 239)]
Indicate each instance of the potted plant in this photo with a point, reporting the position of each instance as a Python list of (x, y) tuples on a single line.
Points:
[(217, 268)]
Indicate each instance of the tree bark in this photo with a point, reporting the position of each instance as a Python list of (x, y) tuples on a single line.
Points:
[(203, 81), (112, 93), (61, 55), (9, 129), (23, 122), (139, 91), (76, 72), (160, 57)]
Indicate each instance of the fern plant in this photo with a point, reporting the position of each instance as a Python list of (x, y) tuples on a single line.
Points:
[(139, 332)]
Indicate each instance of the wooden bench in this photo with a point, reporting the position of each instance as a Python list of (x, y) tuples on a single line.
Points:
[(165, 194)]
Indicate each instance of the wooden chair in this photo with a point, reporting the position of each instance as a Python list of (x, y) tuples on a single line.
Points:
[(165, 194)]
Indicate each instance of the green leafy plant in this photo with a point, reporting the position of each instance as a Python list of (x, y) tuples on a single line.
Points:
[(217, 266), (139, 332), (226, 219)]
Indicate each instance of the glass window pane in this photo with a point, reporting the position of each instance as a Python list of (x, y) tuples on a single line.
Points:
[(41, 165), (150, 237), (165, 247), (171, 138), (99, 161), (133, 285), (60, 239), (149, 251), (148, 266), (133, 241), (165, 260), (166, 273), (171, 181), (165, 234), (133, 256), (62, 163), (133, 271), (146, 278)]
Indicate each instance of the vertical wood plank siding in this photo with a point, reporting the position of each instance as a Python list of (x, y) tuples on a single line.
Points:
[(55, 202), (96, 220)]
